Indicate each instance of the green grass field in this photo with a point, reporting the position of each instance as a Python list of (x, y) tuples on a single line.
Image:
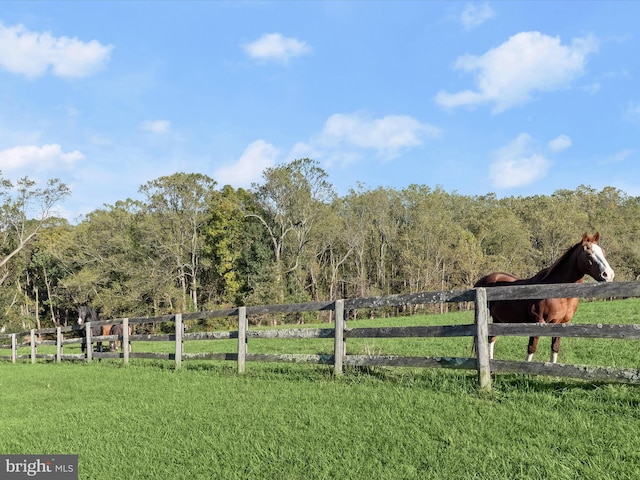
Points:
[(290, 421)]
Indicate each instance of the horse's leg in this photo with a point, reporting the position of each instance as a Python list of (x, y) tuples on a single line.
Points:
[(555, 348), (492, 344), (533, 346)]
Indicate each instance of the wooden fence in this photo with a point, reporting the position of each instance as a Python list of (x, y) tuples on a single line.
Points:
[(480, 330)]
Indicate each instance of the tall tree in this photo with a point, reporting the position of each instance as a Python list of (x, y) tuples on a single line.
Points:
[(231, 242), (47, 270), (25, 210), (358, 221), (292, 197), (179, 205), (107, 264), (335, 242)]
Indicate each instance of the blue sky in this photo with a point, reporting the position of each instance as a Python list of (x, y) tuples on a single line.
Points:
[(514, 98)]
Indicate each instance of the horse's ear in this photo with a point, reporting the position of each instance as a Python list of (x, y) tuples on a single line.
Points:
[(596, 237), (585, 236)]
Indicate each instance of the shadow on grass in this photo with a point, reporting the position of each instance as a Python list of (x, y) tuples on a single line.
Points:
[(507, 384), (446, 381)]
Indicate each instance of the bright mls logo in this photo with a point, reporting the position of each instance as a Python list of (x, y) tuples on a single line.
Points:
[(49, 467)]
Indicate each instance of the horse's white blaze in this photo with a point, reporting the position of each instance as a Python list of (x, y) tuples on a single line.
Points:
[(605, 268)]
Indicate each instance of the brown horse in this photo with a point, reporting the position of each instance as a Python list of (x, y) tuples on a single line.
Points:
[(118, 329), (584, 258)]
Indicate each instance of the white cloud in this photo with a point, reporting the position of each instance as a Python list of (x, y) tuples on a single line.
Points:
[(518, 164), (345, 137), (508, 75), (46, 157), (561, 142), (33, 54), (618, 157), (633, 110), (475, 15), (258, 156), (275, 47), (156, 126)]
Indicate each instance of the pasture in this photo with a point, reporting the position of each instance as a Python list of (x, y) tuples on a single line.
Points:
[(296, 421)]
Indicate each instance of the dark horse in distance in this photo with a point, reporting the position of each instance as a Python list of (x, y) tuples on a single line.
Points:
[(87, 313), (584, 258)]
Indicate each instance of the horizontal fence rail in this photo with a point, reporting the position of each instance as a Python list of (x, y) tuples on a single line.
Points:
[(564, 290), (423, 331), (629, 332), (480, 330)]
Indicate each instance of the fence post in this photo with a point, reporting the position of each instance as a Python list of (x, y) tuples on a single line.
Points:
[(243, 326), (339, 348), (58, 344), (89, 345), (482, 339), (125, 340), (178, 341), (14, 348), (33, 345)]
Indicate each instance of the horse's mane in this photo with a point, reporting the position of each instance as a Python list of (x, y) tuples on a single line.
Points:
[(545, 272), (88, 313)]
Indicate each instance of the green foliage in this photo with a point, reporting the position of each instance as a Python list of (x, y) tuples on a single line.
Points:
[(26, 210), (178, 207), (294, 198), (235, 245)]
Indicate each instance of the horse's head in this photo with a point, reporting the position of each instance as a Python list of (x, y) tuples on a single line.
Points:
[(592, 261), (86, 314), (82, 314)]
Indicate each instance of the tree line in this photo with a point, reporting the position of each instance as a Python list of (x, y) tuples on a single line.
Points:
[(189, 245)]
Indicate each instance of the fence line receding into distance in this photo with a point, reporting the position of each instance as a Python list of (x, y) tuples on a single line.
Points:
[(480, 330)]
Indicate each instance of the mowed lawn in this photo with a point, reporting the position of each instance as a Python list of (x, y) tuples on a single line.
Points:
[(290, 421)]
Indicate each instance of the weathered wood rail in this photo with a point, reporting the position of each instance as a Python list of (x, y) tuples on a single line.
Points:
[(480, 330)]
